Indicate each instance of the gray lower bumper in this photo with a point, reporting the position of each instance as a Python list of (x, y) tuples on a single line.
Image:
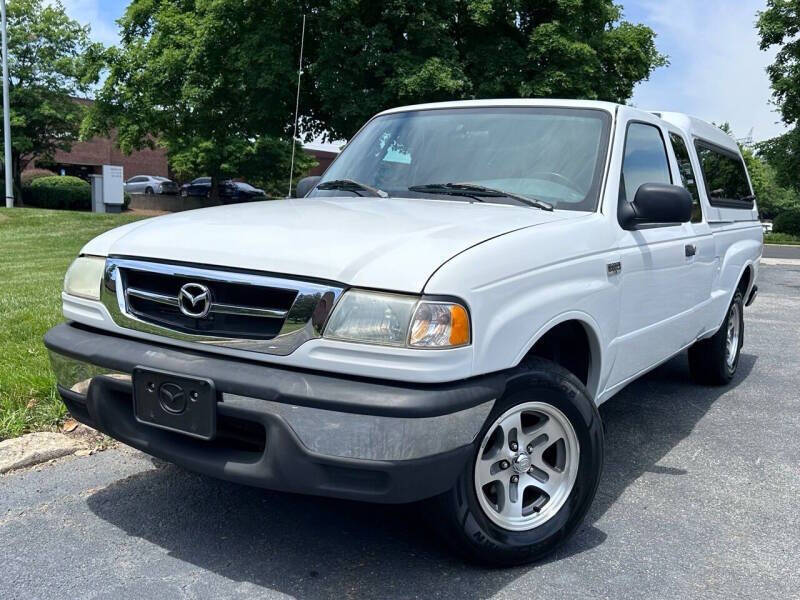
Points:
[(327, 432), (284, 429)]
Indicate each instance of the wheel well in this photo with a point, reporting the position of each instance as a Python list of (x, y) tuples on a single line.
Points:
[(566, 344), (744, 282)]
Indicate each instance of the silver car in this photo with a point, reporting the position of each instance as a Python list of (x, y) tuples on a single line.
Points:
[(150, 184)]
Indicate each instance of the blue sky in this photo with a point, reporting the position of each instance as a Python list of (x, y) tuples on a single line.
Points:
[(716, 71)]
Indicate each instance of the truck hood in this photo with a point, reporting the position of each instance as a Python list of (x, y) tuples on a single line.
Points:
[(392, 244)]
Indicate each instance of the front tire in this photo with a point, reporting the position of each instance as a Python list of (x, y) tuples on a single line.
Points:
[(713, 361), (149, 191), (534, 472)]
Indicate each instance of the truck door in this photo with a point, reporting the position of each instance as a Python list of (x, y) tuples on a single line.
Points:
[(657, 291), (704, 259)]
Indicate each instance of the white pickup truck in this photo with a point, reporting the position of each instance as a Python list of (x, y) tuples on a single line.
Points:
[(438, 317)]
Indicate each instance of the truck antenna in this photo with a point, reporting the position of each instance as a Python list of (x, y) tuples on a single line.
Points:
[(297, 105)]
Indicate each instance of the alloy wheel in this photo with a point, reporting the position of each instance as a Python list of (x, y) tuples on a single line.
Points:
[(526, 466)]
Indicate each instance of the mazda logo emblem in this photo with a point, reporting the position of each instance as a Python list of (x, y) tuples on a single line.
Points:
[(172, 398), (194, 300)]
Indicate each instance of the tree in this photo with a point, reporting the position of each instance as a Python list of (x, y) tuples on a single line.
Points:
[(209, 81), (783, 155), (49, 64), (772, 197), (375, 55), (779, 25)]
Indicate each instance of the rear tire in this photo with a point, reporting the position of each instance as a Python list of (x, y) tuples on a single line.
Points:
[(490, 518), (713, 361)]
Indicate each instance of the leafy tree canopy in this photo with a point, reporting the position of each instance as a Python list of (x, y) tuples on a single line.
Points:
[(214, 80), (210, 80), (779, 25), (375, 55), (50, 62)]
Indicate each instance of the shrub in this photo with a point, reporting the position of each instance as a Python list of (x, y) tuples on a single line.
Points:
[(787, 222), (61, 181), (30, 175), (71, 193)]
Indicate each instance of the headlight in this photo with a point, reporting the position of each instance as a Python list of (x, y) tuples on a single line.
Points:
[(398, 320), (439, 325), (84, 277)]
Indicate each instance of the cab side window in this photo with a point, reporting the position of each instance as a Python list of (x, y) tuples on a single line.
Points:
[(644, 161), (725, 176), (687, 174)]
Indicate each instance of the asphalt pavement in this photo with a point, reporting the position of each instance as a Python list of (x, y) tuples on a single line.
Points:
[(700, 498), (781, 251)]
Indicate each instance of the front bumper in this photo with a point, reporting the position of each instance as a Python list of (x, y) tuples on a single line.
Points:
[(284, 429)]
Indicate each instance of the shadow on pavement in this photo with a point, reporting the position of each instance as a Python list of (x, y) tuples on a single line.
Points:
[(322, 548)]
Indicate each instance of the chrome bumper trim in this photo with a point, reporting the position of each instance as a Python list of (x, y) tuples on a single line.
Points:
[(327, 432)]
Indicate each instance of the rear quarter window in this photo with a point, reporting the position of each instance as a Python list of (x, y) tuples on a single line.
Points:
[(725, 176)]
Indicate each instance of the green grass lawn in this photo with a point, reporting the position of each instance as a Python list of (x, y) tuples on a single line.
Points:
[(782, 238), (36, 247)]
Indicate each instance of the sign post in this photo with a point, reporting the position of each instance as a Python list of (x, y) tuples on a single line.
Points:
[(113, 188)]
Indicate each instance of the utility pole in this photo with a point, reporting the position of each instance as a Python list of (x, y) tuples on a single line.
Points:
[(297, 105), (9, 166)]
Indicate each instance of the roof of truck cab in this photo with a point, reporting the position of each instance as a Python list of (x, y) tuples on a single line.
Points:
[(510, 102), (699, 129)]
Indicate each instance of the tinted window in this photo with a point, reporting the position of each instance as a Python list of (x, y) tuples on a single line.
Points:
[(554, 154), (687, 174), (645, 159), (725, 176), (136, 180)]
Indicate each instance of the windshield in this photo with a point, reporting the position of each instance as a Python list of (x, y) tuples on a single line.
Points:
[(550, 154)]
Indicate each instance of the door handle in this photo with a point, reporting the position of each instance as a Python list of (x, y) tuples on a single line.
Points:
[(691, 250)]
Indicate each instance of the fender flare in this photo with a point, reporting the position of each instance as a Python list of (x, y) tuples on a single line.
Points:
[(593, 334)]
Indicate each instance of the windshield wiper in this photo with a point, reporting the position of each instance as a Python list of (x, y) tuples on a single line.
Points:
[(473, 190), (351, 185)]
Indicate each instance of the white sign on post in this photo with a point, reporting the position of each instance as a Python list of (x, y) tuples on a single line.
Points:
[(113, 186)]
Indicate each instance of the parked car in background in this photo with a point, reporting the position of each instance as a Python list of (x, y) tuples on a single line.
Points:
[(239, 191), (766, 226), (150, 184), (197, 187), (229, 191), (438, 317)]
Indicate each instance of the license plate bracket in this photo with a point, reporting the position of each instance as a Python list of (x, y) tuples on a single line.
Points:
[(175, 402)]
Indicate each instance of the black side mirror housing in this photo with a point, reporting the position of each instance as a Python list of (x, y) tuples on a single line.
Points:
[(305, 185), (656, 204)]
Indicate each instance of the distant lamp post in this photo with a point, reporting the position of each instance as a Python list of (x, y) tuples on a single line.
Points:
[(6, 114)]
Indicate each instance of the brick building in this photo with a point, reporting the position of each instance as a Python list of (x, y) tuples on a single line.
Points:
[(324, 158), (87, 158)]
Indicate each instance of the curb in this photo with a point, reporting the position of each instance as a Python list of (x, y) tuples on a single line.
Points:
[(35, 448)]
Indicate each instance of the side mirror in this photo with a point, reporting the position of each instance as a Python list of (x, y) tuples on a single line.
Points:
[(656, 204), (305, 185)]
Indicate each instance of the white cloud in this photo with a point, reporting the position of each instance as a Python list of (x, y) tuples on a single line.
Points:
[(717, 69), (94, 13)]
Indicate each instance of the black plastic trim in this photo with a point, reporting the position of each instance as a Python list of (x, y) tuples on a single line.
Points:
[(283, 463)]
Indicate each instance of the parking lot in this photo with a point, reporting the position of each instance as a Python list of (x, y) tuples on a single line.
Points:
[(700, 498)]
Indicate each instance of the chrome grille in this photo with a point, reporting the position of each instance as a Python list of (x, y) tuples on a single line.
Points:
[(246, 311)]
